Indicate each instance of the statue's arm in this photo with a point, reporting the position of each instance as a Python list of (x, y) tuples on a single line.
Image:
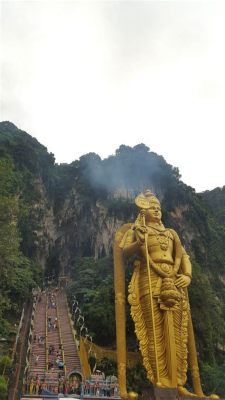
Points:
[(185, 272), (178, 250), (186, 266), (131, 244)]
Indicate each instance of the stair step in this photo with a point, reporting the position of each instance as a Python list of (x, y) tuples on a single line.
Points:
[(64, 327)]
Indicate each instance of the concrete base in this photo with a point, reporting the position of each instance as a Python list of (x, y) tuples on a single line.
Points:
[(166, 394), (159, 394), (149, 393)]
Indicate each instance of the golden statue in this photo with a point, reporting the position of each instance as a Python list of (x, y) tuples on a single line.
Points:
[(158, 298)]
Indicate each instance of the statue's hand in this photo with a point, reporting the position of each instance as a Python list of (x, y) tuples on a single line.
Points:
[(140, 232), (182, 281)]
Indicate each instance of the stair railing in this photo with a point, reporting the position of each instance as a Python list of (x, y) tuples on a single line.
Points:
[(74, 331), (60, 337), (46, 332)]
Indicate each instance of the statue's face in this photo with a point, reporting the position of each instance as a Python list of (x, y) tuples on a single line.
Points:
[(153, 213)]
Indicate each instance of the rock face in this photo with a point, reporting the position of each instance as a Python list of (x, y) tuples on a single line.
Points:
[(80, 224), (78, 228), (85, 227)]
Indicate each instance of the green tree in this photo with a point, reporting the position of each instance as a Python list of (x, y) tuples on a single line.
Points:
[(15, 269), (93, 287), (3, 388), (213, 379), (5, 362)]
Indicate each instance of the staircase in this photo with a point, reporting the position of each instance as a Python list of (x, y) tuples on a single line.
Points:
[(52, 341), (52, 330), (71, 357), (37, 361)]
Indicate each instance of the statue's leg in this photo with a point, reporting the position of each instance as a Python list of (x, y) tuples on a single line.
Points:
[(193, 361), (171, 352)]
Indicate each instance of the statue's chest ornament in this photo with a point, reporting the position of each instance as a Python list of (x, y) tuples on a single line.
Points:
[(163, 240), (161, 236)]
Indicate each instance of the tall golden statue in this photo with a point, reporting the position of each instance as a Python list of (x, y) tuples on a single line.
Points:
[(158, 298)]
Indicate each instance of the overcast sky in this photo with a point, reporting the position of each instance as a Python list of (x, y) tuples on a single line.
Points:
[(89, 76)]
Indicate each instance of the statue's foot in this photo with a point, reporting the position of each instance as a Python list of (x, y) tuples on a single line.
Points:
[(184, 392), (213, 396), (132, 396)]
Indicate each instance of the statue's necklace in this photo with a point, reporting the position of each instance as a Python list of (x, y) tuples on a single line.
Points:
[(162, 237)]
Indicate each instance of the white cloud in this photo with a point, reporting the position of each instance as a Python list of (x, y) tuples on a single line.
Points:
[(89, 76)]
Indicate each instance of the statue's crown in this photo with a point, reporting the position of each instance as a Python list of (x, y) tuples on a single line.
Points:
[(151, 197), (143, 200)]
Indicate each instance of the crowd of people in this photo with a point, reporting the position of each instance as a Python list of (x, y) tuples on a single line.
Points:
[(40, 339), (36, 385), (93, 387), (99, 386), (52, 323), (55, 359)]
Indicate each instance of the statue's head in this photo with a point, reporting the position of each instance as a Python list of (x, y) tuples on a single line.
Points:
[(149, 206), (151, 198)]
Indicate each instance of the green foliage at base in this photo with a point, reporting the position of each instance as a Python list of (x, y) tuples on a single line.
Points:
[(3, 388), (5, 362), (213, 380), (18, 273), (93, 287), (137, 379), (136, 376), (207, 311), (108, 366)]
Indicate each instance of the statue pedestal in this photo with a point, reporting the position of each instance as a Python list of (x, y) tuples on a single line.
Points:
[(166, 394), (148, 393)]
